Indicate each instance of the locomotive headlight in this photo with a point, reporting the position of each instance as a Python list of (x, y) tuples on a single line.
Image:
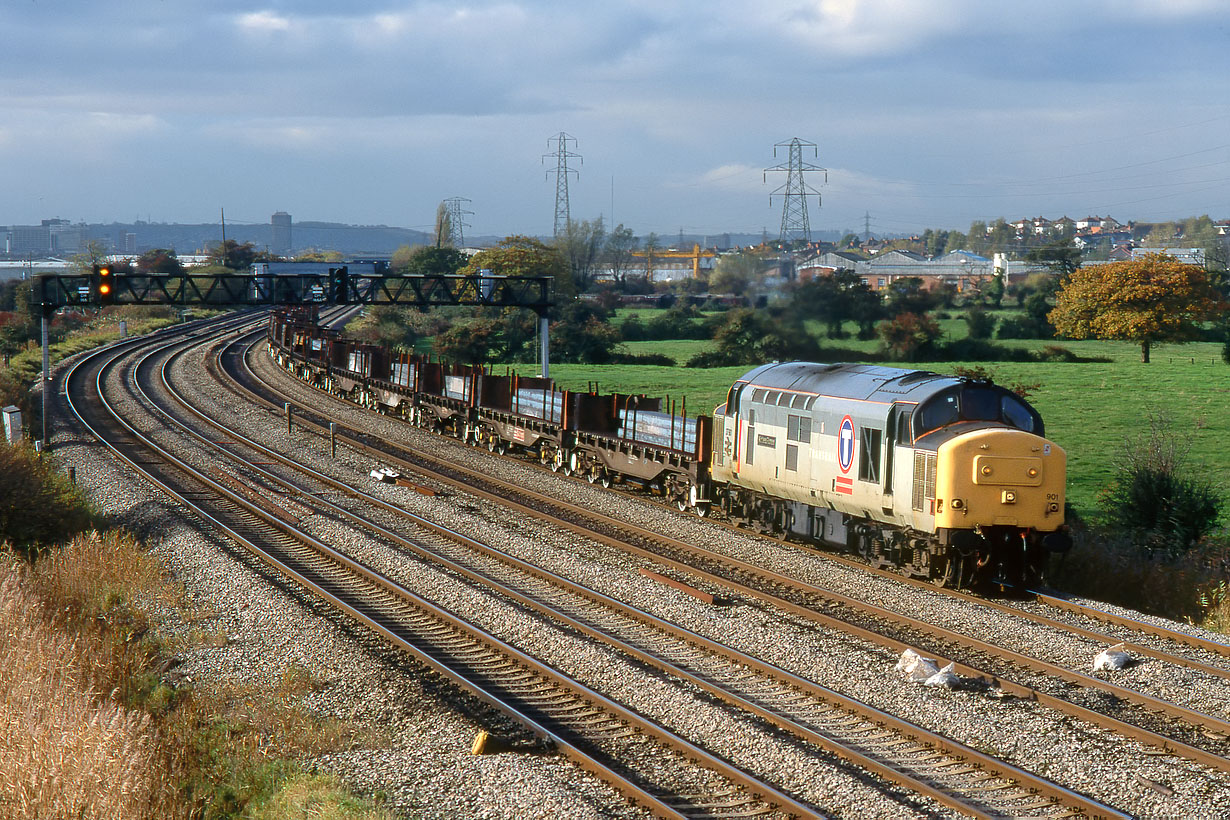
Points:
[(986, 469), (1008, 497), (957, 504), (1032, 472), (1053, 506)]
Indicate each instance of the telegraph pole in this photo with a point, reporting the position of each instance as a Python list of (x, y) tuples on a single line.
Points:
[(562, 155), (795, 190)]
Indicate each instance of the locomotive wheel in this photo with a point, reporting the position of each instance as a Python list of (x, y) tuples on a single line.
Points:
[(950, 577), (702, 509), (605, 479)]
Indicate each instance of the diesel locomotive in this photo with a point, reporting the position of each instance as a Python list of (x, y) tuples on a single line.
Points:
[(946, 478)]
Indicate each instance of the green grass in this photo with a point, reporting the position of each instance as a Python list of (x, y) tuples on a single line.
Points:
[(1090, 408)]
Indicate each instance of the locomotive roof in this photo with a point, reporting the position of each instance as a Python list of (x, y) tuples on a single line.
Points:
[(849, 380)]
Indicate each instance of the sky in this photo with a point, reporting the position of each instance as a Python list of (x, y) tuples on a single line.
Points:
[(925, 113)]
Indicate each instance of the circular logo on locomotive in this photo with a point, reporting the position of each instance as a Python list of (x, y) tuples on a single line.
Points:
[(845, 444)]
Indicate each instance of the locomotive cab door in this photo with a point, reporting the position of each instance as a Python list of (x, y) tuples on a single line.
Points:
[(896, 434), (730, 430)]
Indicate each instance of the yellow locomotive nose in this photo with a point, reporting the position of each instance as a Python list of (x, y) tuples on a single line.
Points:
[(1000, 478)]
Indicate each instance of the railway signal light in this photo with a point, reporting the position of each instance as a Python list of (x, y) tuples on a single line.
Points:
[(104, 284), (339, 284)]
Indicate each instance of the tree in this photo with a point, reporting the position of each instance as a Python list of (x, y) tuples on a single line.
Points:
[(231, 254), (469, 343), (749, 336), (427, 260), (735, 273), (908, 295), (1064, 258), (980, 323), (444, 227), (617, 254), (582, 334), (908, 335), (523, 256), (581, 245), (159, 260), (317, 255), (1152, 299), (835, 298)]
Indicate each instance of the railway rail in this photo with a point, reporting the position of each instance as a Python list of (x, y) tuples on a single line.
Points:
[(1206, 733)]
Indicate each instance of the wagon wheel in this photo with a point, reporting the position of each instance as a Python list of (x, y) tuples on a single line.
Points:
[(605, 479)]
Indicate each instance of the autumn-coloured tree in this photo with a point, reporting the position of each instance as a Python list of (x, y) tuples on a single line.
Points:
[(908, 335), (523, 256), (1152, 299)]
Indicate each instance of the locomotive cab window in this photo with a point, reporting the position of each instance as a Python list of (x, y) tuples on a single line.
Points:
[(976, 402), (869, 454)]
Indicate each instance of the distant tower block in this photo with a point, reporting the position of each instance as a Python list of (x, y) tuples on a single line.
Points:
[(456, 220), (281, 234), (795, 191), (562, 155)]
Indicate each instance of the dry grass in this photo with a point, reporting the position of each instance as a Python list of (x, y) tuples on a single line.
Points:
[(66, 751), (89, 728)]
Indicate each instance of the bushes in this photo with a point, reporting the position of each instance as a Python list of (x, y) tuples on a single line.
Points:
[(680, 322), (1110, 566), (980, 323), (1157, 500), (38, 505)]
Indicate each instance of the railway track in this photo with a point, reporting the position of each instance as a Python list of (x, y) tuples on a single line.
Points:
[(906, 754), (653, 766), (1206, 733)]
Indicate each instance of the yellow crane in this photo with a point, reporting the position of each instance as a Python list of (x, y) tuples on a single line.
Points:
[(696, 254)]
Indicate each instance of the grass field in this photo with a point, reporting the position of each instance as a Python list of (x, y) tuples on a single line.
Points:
[(1091, 408)]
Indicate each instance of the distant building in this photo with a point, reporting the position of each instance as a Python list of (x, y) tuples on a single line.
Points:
[(1192, 256), (829, 262), (53, 236), (281, 242)]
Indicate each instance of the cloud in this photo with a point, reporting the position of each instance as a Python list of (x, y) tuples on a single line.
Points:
[(263, 22)]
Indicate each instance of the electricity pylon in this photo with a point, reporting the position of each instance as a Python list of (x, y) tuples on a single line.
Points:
[(795, 191), (456, 221), (562, 155)]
